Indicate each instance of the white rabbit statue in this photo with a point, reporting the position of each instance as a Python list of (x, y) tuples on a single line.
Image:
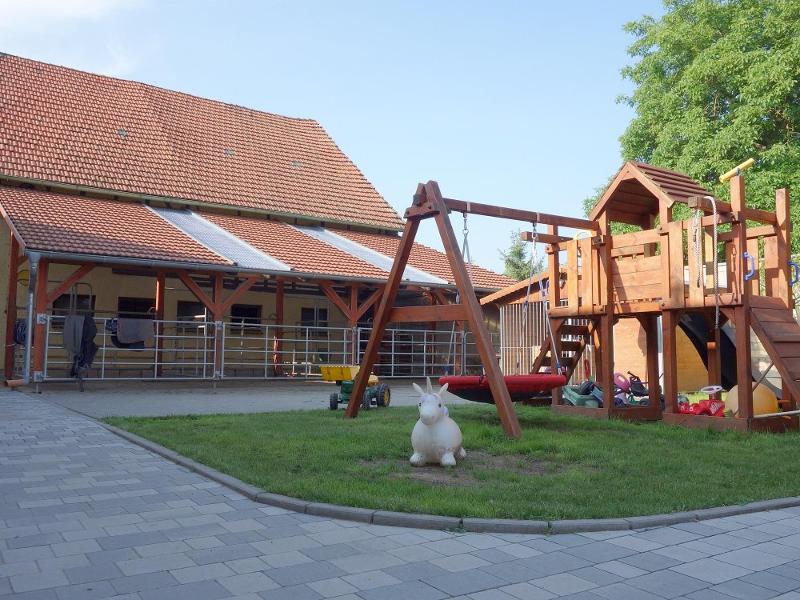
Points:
[(436, 437)]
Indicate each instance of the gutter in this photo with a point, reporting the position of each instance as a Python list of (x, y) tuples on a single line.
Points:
[(168, 264)]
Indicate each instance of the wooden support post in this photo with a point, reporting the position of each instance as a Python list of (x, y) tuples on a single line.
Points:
[(741, 314), (744, 373), (669, 320), (607, 360), (161, 286), (469, 300), (649, 324), (277, 348), (783, 288), (11, 305), (352, 316), (40, 331), (784, 250), (606, 369)]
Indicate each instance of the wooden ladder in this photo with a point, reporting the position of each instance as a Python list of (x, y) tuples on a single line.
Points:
[(572, 340), (774, 324)]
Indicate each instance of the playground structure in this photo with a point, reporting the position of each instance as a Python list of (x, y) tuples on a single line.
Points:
[(668, 268)]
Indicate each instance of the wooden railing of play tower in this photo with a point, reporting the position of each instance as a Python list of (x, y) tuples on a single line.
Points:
[(656, 271)]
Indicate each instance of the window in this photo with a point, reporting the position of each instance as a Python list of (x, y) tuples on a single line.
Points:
[(190, 311), (136, 308), (73, 303), (246, 314), (313, 316)]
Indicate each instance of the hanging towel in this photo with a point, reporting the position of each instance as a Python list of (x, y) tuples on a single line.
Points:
[(73, 334), (131, 331), (84, 358)]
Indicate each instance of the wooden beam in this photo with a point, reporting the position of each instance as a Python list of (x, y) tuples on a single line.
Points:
[(240, 291), (753, 214), (516, 214), (74, 278), (381, 319), (544, 238), (277, 347), (198, 293), (423, 314), (669, 320), (11, 304), (365, 306), (483, 343), (784, 249), (337, 300)]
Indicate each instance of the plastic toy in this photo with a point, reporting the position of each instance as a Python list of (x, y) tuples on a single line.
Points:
[(436, 438), (377, 394)]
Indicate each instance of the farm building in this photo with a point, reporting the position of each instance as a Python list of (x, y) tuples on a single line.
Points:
[(200, 239)]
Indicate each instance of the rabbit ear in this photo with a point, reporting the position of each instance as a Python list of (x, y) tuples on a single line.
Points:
[(442, 390), (419, 389), (430, 387)]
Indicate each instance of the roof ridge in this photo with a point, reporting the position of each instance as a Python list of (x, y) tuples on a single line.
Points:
[(157, 87)]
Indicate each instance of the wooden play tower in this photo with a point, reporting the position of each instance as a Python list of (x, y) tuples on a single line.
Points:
[(667, 269)]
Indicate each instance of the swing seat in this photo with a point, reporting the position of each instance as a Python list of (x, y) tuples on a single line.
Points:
[(475, 388)]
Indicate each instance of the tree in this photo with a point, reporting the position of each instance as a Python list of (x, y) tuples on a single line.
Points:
[(518, 261), (716, 82)]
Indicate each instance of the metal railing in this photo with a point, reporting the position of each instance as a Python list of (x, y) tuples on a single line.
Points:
[(522, 336), (180, 350)]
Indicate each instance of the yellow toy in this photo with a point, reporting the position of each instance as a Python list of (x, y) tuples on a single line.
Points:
[(764, 400)]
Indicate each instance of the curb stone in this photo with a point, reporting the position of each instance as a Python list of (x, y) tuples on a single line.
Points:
[(663, 520), (281, 501), (578, 525), (419, 521), (423, 521), (336, 511), (503, 526)]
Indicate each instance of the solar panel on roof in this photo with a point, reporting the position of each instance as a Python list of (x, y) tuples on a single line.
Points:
[(220, 241), (376, 259)]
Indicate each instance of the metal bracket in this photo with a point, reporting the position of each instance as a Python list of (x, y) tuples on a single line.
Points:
[(41, 318), (38, 377)]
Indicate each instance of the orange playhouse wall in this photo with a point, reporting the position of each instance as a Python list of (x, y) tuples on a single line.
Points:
[(629, 355)]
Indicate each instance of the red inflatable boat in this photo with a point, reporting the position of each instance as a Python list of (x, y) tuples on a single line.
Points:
[(520, 387)]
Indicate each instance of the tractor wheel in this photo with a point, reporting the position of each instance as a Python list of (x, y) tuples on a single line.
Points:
[(383, 396), (334, 401), (366, 403)]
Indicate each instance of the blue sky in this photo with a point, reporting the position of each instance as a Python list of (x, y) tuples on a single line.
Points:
[(501, 102)]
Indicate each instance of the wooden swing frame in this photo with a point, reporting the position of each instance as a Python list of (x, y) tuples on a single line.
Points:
[(428, 203)]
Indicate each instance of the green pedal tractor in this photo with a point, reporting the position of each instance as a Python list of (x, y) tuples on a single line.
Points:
[(377, 394)]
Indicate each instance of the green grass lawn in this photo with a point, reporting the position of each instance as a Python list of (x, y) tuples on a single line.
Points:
[(563, 467)]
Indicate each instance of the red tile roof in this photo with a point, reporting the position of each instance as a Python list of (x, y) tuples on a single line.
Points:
[(69, 223), (303, 253), (72, 127), (75, 224), (427, 259)]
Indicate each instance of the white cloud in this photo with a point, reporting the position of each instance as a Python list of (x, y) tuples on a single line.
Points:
[(83, 34), (32, 14)]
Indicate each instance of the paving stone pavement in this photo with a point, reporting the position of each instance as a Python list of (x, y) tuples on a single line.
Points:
[(85, 515)]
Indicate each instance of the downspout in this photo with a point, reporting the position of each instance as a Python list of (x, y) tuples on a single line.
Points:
[(33, 261)]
